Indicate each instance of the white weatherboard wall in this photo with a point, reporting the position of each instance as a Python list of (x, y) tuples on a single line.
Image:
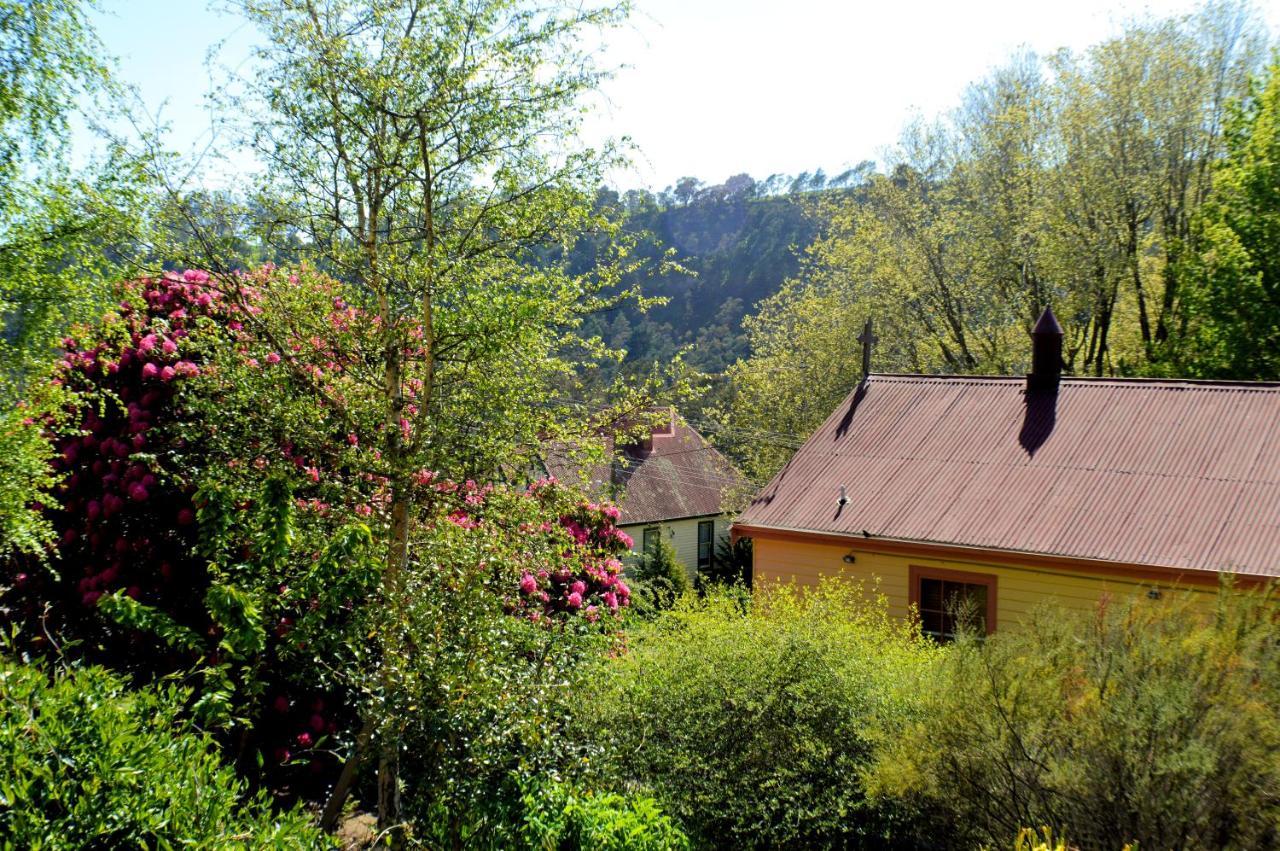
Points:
[(681, 534)]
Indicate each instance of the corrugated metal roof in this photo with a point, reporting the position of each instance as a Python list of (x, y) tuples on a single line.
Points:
[(673, 475), (1179, 474)]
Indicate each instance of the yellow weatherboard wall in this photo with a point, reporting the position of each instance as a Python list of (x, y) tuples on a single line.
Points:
[(1018, 589)]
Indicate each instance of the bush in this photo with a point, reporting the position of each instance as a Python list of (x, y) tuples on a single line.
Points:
[(1146, 722), (89, 763), (753, 724), (660, 578), (731, 566), (560, 816)]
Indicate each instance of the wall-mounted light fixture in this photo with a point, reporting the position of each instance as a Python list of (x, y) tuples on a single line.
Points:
[(848, 558), (1154, 594)]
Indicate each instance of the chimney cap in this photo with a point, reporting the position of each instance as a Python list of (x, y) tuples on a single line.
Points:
[(1047, 323)]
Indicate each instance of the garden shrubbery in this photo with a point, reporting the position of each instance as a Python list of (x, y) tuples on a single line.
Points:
[(814, 720), (754, 725), (90, 762), (1147, 722)]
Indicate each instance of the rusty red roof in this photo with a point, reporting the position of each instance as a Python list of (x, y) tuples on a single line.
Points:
[(1177, 474), (674, 474)]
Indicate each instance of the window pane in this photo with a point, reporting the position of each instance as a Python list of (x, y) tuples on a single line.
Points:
[(946, 605), (931, 595)]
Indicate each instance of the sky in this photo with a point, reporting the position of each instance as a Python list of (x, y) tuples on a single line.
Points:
[(708, 88)]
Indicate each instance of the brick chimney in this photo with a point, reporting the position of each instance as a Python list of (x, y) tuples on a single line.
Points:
[(1046, 354)]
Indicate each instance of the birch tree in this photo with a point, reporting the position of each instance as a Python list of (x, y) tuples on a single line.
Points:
[(425, 155)]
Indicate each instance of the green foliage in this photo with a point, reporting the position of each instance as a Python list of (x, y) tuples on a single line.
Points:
[(661, 579), (754, 727), (92, 763), (732, 249), (64, 232), (731, 565), (1147, 722), (561, 817), (482, 698), (26, 478), (1231, 268)]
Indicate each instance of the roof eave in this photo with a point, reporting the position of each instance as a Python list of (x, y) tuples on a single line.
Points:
[(990, 555)]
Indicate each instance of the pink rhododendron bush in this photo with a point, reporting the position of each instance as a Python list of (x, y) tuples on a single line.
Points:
[(224, 504)]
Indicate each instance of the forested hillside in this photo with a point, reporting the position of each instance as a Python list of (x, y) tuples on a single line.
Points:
[(732, 244)]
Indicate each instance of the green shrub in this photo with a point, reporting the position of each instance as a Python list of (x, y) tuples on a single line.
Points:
[(88, 763), (753, 724), (560, 817), (1145, 722), (731, 566), (659, 578)]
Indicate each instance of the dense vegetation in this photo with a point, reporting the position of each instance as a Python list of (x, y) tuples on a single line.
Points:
[(819, 722), (272, 556)]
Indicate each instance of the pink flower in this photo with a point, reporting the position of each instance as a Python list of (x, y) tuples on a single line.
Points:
[(363, 510), (150, 370), (575, 600), (147, 343), (313, 474), (169, 346), (528, 584), (304, 740), (195, 276), (578, 588), (273, 358), (611, 600), (167, 373)]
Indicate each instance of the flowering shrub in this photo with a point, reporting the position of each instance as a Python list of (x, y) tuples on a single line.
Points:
[(215, 520), (588, 580), (124, 517)]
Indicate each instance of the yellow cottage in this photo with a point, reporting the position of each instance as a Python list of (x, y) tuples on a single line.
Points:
[(1004, 492)]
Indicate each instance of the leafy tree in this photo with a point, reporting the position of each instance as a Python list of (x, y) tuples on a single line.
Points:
[(407, 142), (1071, 182), (1231, 274), (63, 231), (732, 564)]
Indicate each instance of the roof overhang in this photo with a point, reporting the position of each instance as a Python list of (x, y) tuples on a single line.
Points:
[(1162, 574)]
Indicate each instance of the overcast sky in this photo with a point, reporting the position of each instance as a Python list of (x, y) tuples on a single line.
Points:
[(711, 88)]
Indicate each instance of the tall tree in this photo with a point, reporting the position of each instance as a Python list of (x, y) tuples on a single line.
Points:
[(1231, 277), (427, 153), (61, 227)]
